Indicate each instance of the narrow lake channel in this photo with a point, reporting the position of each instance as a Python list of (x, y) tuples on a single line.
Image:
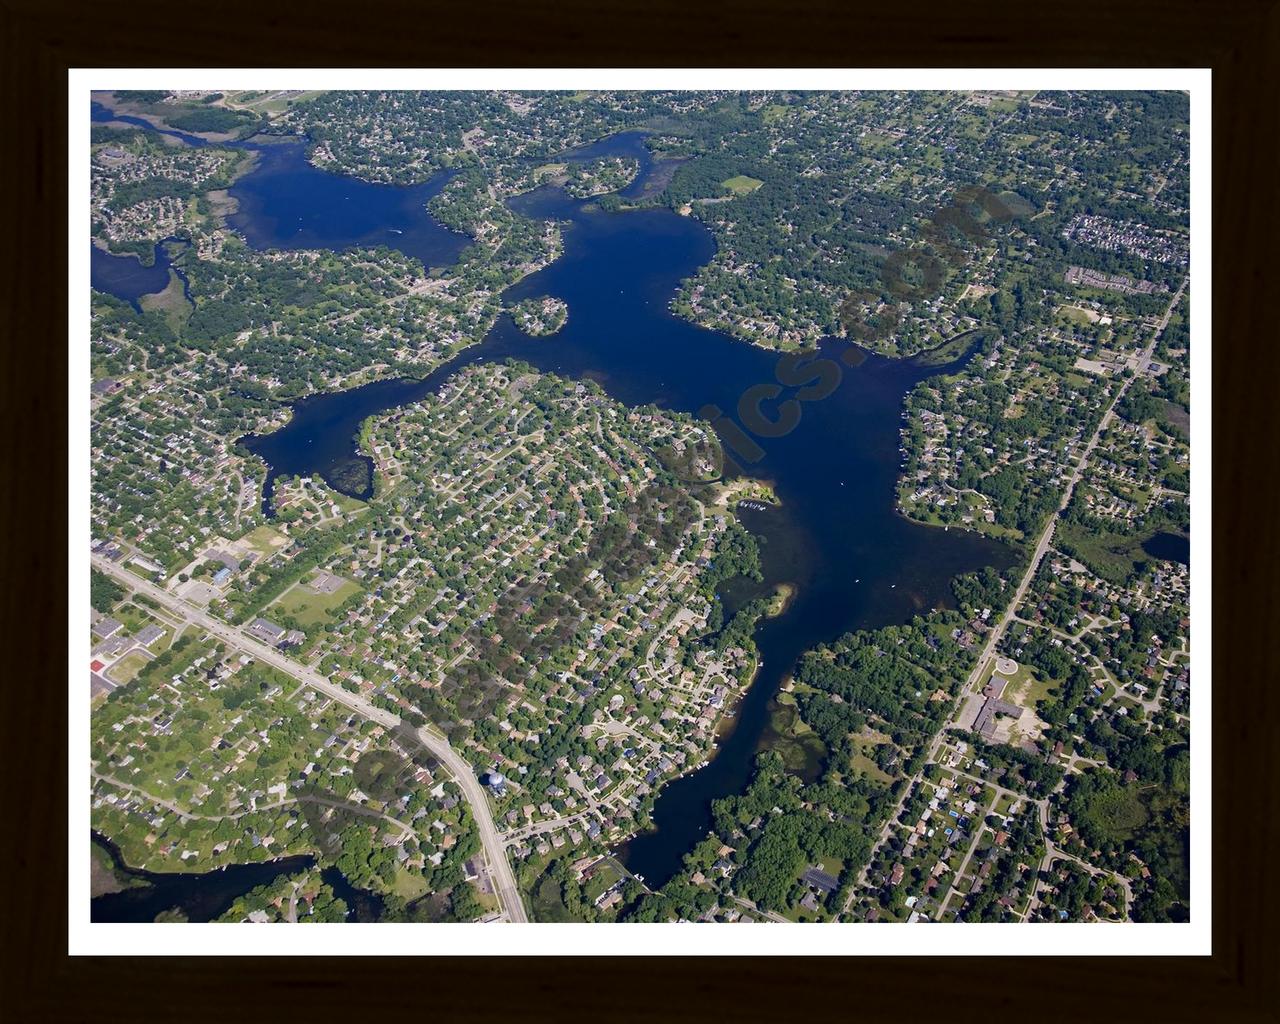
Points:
[(835, 536)]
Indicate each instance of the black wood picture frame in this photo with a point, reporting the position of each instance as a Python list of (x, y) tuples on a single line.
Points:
[(1238, 39)]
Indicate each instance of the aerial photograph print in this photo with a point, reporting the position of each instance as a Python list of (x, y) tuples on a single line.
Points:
[(722, 505)]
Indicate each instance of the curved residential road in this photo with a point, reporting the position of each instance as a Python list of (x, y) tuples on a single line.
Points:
[(504, 883)]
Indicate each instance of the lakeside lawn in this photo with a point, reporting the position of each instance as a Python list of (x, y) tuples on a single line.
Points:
[(171, 302)]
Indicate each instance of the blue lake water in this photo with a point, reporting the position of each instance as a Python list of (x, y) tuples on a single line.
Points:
[(125, 277), (288, 203), (629, 145), (836, 535), (1169, 547)]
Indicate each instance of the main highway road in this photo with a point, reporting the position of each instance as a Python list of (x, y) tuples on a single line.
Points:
[(500, 874), (1010, 612)]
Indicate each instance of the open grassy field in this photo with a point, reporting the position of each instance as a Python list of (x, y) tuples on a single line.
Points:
[(1077, 314), (874, 142), (409, 885), (741, 184), (171, 302), (1027, 689), (1003, 104), (1113, 556), (124, 670), (265, 541), (546, 902), (861, 762), (1119, 814), (310, 608), (270, 102), (344, 502), (1178, 418)]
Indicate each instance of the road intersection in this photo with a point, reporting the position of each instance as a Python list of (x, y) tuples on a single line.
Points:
[(1009, 614)]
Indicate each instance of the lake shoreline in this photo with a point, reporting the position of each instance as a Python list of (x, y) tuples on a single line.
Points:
[(838, 548)]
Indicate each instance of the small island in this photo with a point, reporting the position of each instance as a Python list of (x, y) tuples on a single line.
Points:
[(539, 318), (599, 177), (780, 600)]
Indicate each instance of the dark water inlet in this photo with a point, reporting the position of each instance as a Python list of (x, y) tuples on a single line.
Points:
[(836, 536), (127, 278), (1169, 547), (200, 897), (205, 896)]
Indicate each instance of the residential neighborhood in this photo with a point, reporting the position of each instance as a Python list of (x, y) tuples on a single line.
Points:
[(724, 506)]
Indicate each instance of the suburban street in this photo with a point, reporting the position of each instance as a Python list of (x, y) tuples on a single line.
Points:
[(1046, 537), (1009, 614), (501, 876), (782, 496), (500, 873)]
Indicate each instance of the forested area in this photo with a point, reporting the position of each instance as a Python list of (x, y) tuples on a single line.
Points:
[(1121, 820), (104, 592), (776, 829), (891, 674)]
